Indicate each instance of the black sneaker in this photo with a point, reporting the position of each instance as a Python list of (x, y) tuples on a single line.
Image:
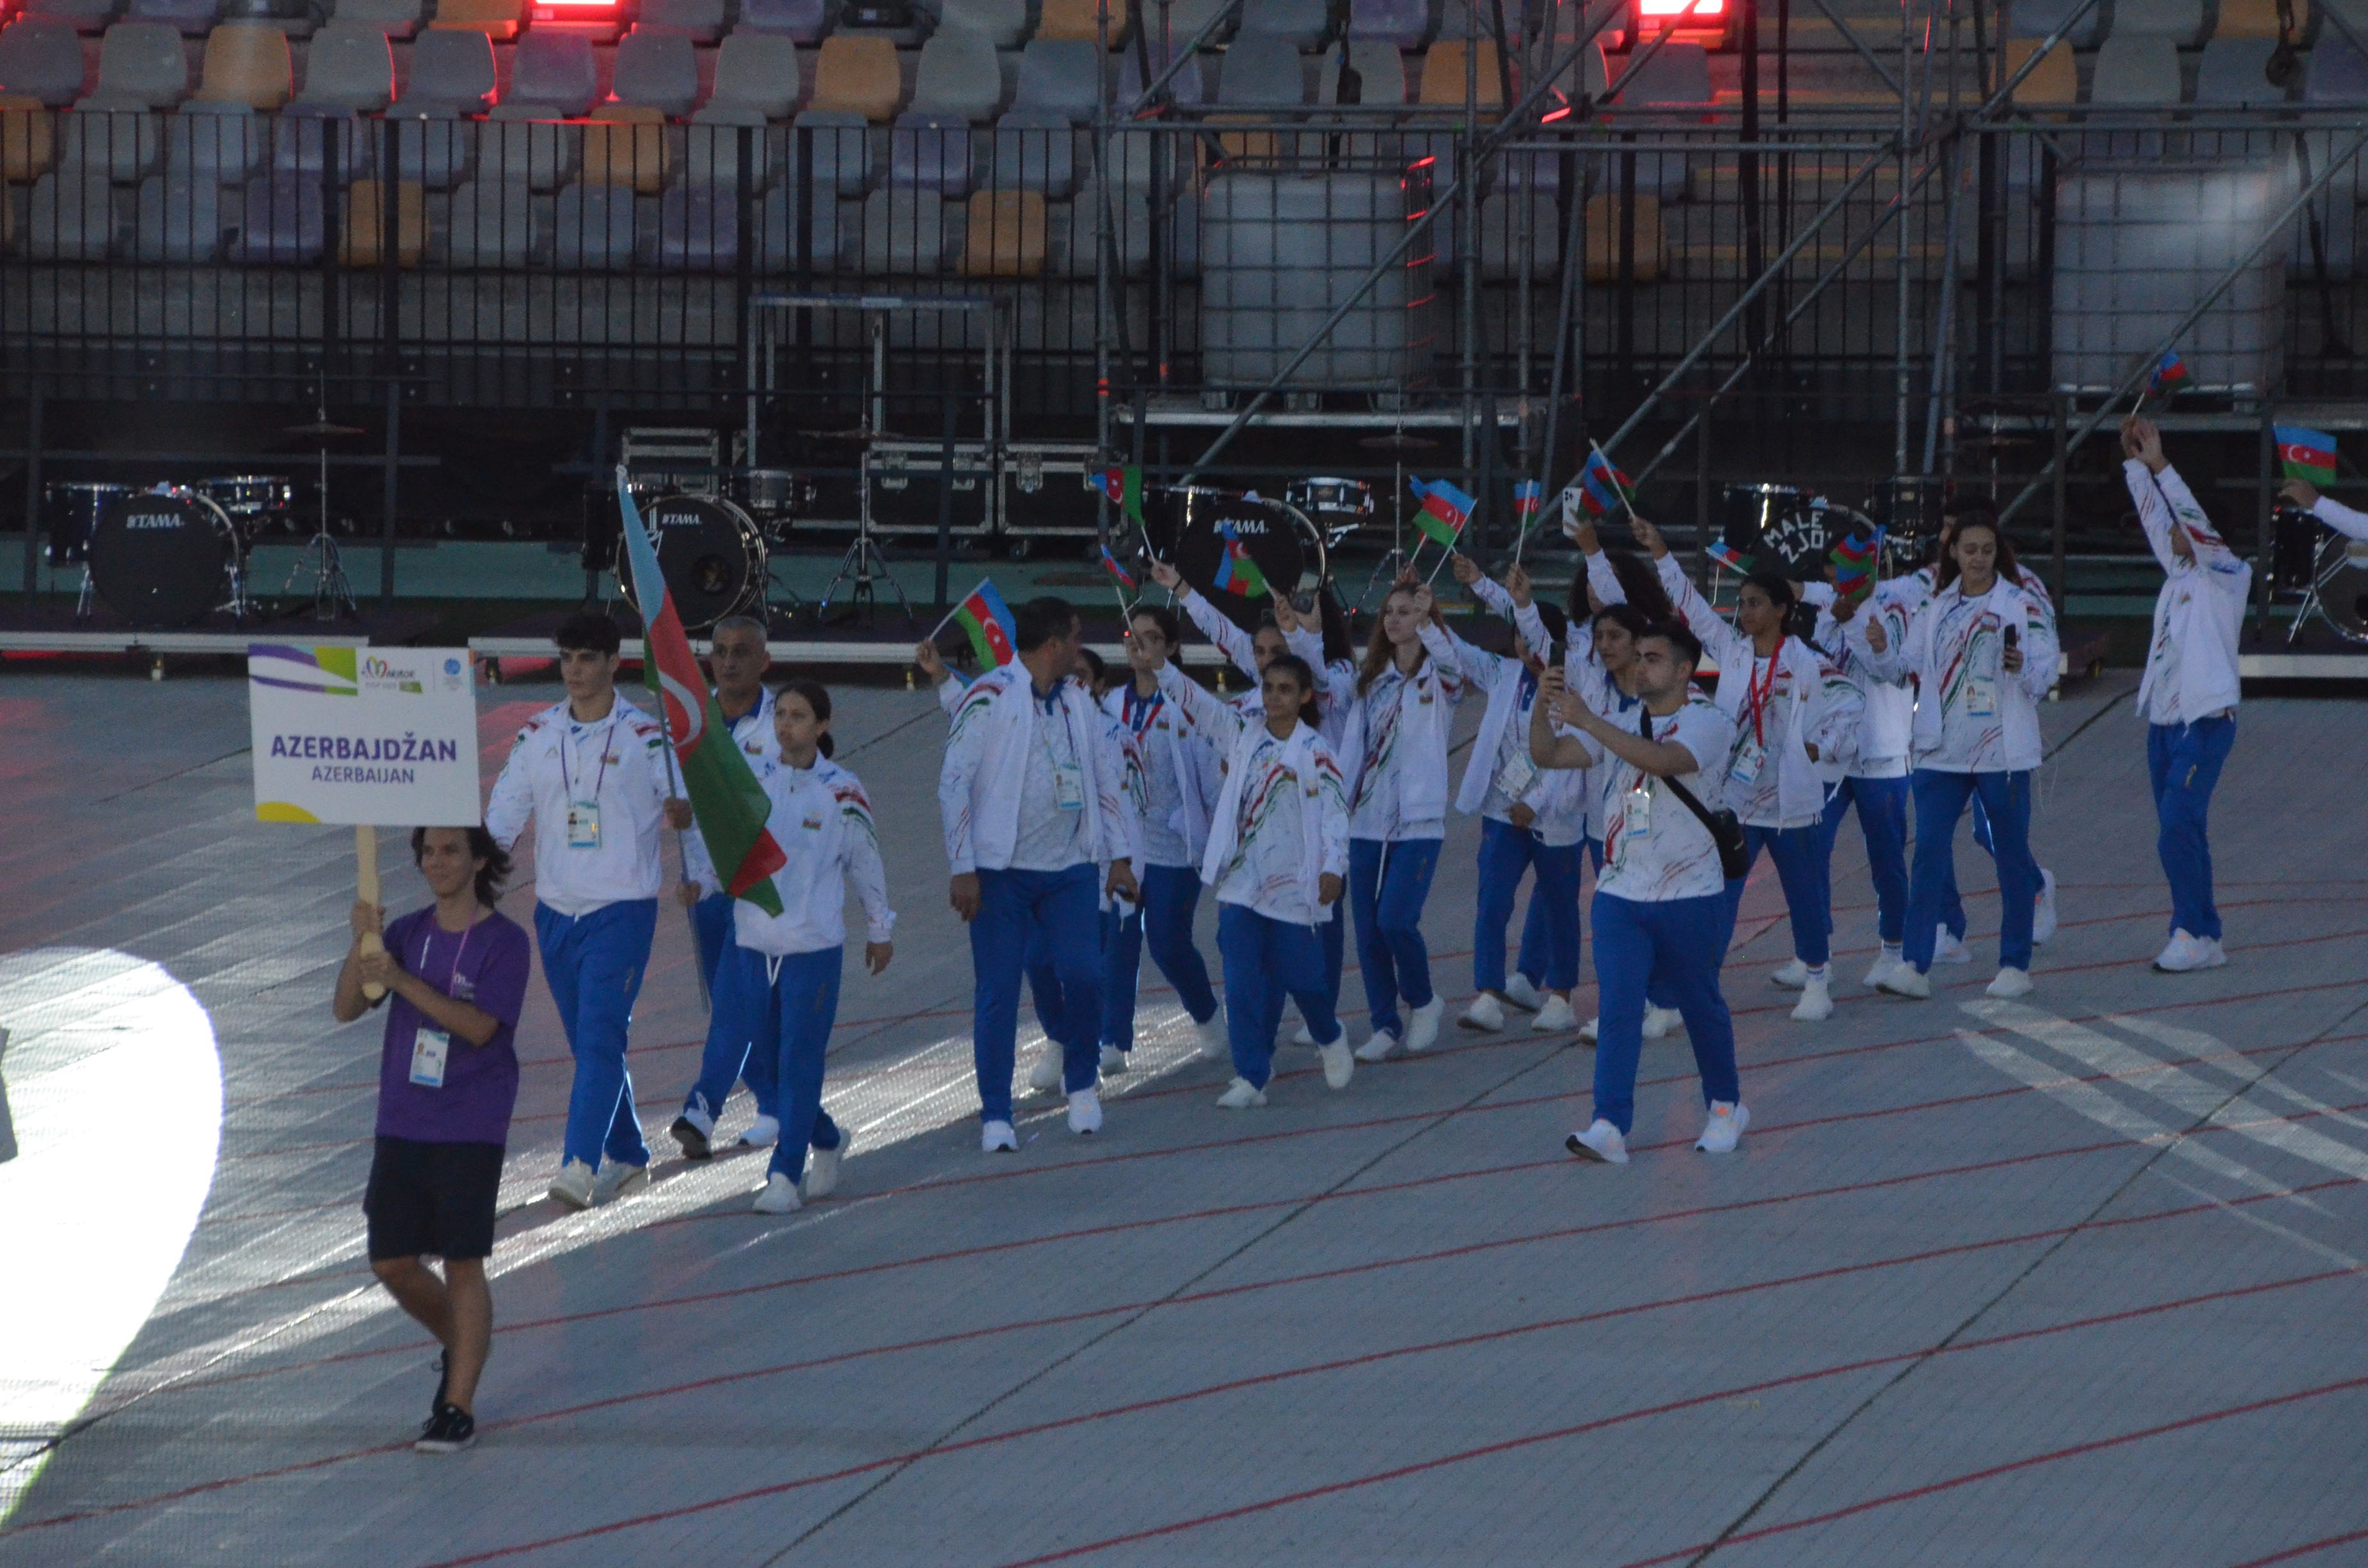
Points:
[(693, 1142), (452, 1430)]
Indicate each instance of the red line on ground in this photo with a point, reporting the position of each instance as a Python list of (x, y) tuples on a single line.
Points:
[(2290, 1553)]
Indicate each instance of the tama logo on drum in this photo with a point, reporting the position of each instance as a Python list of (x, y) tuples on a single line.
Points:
[(682, 520), (134, 520)]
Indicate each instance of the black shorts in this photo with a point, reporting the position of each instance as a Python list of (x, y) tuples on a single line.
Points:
[(432, 1198)]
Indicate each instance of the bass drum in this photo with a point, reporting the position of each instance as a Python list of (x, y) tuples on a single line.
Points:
[(163, 559), (75, 510), (1280, 541), (1791, 530), (712, 554)]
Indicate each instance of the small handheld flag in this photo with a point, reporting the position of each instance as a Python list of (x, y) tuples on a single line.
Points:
[(1529, 495), (2169, 377), (1603, 489), (1236, 572), (1734, 559), (986, 621), (1445, 511), (1854, 565), (1124, 488), (2307, 454), (1109, 562)]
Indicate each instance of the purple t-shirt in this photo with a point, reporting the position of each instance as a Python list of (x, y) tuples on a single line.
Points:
[(487, 966)]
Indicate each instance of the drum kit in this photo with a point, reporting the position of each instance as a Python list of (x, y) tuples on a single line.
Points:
[(1796, 530), (714, 551), (168, 555), (2330, 571)]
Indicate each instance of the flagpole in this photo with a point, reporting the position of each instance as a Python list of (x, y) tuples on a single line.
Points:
[(948, 621), (1607, 472), (673, 783)]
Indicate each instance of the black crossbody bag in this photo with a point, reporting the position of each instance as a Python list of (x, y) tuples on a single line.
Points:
[(1725, 827)]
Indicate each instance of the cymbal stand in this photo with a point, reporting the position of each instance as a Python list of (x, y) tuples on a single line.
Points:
[(333, 595), (1386, 570), (864, 562)]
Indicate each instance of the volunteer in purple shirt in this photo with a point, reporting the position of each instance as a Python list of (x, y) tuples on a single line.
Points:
[(455, 976)]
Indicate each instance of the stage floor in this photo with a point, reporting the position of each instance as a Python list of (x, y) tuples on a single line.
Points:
[(2065, 1281)]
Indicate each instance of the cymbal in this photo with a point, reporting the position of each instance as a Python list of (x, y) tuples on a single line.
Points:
[(1398, 441), (322, 427), (1997, 440), (855, 437)]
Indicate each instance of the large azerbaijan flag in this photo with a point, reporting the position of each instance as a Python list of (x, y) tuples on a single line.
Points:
[(730, 805)]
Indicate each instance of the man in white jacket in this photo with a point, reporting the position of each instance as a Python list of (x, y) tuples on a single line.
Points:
[(1033, 800), (2189, 692)]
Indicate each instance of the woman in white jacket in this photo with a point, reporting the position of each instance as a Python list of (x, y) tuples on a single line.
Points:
[(1406, 691), (1791, 710), (2189, 692), (1982, 653), (1277, 857), (777, 985)]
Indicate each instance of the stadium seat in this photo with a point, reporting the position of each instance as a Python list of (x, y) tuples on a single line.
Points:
[(396, 18), (438, 150), (491, 223), (1003, 23), (73, 216), (246, 63), (838, 150), (1306, 24), (2339, 74), (1402, 24), (1035, 150), (1374, 74), (363, 235), (553, 75), (305, 138), (1603, 240), (42, 59), (2231, 74), (141, 65), (711, 152), (176, 218), (293, 17), (1004, 234), (804, 20), (2053, 83), (279, 222), (1081, 20), (2038, 18), (697, 230), (83, 15), (351, 66), (698, 20), (595, 228), (452, 73), (28, 141), (908, 233), (959, 74), (193, 18), (2181, 22), (1059, 76), (657, 71), (784, 220), (901, 23), (1187, 17), (756, 79), (2258, 20), (1185, 87), (930, 151), (858, 76), (227, 143), (1262, 72), (498, 19), (1501, 241), (626, 145), (1675, 76), (2135, 69)]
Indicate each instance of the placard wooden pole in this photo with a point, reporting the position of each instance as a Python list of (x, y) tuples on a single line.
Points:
[(366, 884)]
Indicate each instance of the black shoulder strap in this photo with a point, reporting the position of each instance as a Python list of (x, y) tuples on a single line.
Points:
[(1644, 728)]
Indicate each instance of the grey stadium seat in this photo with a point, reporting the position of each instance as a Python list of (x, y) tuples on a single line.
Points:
[(597, 228), (451, 73), (701, 21), (958, 74), (697, 230), (351, 66), (1002, 22), (2135, 70), (178, 219), (757, 78), (2038, 18), (909, 234), (1187, 17), (227, 144), (397, 19), (657, 71), (552, 75), (2181, 21), (1501, 238), (194, 18), (1035, 150), (804, 20), (1059, 76), (280, 220), (1401, 24), (2230, 73), (140, 66), (73, 216), (83, 15), (1306, 24), (930, 151), (844, 153), (434, 150), (1263, 74), (493, 223), (779, 217), (1185, 88), (42, 59)]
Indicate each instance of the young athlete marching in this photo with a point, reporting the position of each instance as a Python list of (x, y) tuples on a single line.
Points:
[(777, 985)]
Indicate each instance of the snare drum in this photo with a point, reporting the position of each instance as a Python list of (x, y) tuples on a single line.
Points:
[(73, 512), (249, 495), (163, 558), (1325, 500), (773, 492), (712, 554)]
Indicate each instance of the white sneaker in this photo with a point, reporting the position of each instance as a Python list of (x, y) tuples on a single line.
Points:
[(1590, 1029), (780, 1196), (1950, 950), (1485, 1013), (1422, 1025), (616, 1179), (2181, 953), (1554, 1015), (1379, 1046), (1792, 977), (2010, 983), (1816, 1003), (1885, 962), (573, 1185), (1520, 992), (821, 1168), (2217, 955), (1044, 1075), (1113, 1061), (2042, 911), (1905, 981), (1304, 1037), (1340, 1062), (996, 1138), (1601, 1143), (1240, 1095), (762, 1133), (1215, 1044), (1662, 1022), (1723, 1129), (1085, 1113)]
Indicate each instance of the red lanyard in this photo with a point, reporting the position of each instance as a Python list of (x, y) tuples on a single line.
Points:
[(1756, 692)]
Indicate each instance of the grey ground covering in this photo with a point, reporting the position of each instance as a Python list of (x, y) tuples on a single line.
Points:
[(2072, 1280)]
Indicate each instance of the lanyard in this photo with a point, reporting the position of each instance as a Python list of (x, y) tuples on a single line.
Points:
[(428, 940), (1056, 712), (1150, 707), (599, 779), (1756, 692)]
